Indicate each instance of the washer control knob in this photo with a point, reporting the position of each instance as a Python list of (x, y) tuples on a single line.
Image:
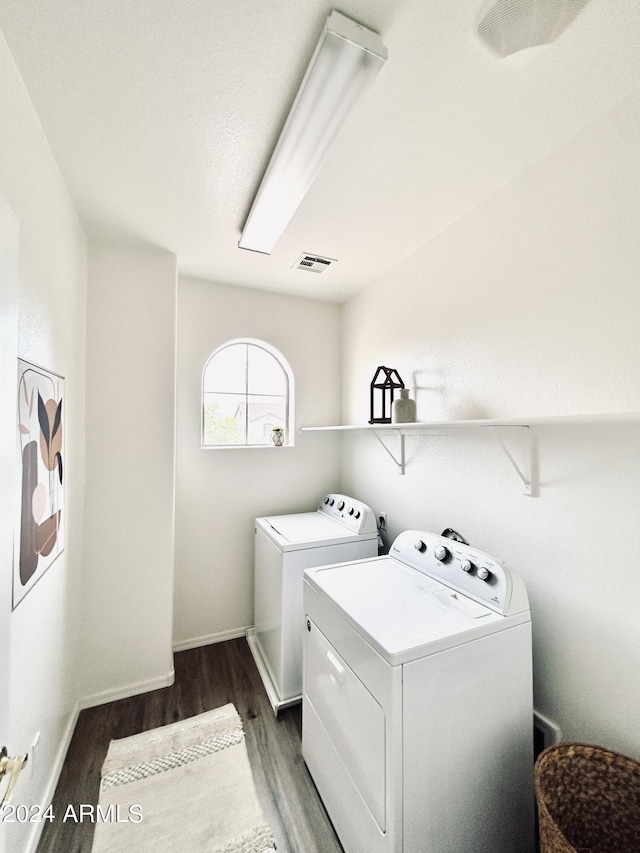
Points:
[(466, 566), (357, 513), (331, 501), (341, 505), (484, 574), (420, 546), (442, 554), (351, 510), (326, 500)]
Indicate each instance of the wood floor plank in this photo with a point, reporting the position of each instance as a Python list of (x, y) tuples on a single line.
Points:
[(206, 678)]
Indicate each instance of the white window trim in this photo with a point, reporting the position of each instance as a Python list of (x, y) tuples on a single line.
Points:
[(290, 409)]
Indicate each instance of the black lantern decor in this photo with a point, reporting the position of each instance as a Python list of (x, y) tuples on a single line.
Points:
[(384, 384)]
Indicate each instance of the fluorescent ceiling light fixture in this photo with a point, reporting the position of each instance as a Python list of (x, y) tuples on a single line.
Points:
[(345, 62)]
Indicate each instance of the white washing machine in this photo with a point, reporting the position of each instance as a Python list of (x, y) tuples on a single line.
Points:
[(417, 715), (341, 529)]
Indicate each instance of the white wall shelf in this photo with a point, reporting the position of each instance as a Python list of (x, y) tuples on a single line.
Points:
[(514, 436)]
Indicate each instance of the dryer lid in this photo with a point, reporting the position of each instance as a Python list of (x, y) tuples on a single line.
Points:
[(401, 610)]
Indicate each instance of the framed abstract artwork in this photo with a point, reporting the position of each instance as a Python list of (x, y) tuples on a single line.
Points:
[(41, 519)]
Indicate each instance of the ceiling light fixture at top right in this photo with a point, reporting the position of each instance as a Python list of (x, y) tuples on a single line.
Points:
[(509, 26)]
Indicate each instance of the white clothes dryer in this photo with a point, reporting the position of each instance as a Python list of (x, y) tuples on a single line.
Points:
[(417, 715), (340, 529)]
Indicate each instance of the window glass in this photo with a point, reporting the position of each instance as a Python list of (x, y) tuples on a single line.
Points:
[(265, 374), (246, 392), (227, 371), (224, 422)]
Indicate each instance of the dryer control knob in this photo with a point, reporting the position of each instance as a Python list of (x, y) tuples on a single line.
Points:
[(331, 502), (341, 505), (357, 513), (443, 554), (466, 566), (484, 574), (419, 545), (326, 500), (351, 510)]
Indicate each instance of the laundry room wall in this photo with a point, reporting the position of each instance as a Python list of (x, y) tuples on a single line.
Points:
[(528, 305), (129, 542), (51, 303), (219, 492)]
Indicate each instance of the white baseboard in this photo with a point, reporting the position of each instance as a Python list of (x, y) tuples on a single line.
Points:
[(550, 731), (128, 690), (208, 639), (34, 838)]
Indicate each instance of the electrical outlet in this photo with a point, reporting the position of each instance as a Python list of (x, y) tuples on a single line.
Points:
[(382, 520)]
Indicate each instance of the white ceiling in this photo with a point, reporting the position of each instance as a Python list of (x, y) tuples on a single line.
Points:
[(162, 115)]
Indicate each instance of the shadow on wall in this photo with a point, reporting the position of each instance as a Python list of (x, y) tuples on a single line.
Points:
[(435, 402)]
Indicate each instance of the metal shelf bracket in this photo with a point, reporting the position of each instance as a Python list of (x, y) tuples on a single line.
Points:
[(400, 462), (524, 467)]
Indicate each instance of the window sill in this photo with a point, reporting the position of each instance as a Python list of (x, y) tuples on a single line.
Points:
[(245, 446)]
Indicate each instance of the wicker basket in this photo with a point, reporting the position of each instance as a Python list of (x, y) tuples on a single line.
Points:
[(588, 800)]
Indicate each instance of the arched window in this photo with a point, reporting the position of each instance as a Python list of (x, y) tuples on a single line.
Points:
[(247, 395)]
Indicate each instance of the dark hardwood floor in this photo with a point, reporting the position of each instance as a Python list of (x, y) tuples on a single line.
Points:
[(206, 678)]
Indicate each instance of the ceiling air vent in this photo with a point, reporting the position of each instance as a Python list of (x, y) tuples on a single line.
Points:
[(313, 263)]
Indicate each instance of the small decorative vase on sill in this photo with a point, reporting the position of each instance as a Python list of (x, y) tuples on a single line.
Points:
[(277, 436), (403, 410)]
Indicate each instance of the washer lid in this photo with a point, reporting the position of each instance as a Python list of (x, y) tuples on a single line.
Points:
[(400, 610), (308, 529)]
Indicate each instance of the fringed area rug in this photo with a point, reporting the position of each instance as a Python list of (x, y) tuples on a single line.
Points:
[(186, 786)]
